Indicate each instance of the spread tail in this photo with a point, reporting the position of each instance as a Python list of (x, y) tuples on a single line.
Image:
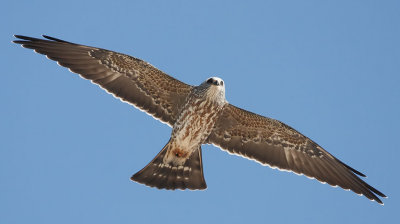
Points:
[(171, 177)]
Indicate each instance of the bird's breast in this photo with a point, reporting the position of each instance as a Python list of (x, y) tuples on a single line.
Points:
[(195, 123)]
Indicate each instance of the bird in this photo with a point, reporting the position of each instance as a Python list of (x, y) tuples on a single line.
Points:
[(198, 115)]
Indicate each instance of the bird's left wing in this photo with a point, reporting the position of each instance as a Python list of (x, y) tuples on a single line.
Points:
[(273, 143), (130, 79)]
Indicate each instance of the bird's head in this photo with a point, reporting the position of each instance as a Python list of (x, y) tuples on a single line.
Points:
[(214, 81), (214, 88)]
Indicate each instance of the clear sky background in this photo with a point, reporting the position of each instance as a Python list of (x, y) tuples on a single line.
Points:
[(330, 69)]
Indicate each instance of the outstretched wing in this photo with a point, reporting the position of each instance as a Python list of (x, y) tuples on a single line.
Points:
[(273, 143), (127, 78)]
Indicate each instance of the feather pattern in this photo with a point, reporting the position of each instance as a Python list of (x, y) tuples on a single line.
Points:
[(198, 115), (277, 145), (130, 79)]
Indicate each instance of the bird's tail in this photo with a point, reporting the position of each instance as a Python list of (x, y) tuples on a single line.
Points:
[(170, 177)]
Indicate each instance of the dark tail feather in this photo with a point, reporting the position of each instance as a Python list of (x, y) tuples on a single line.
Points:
[(166, 176)]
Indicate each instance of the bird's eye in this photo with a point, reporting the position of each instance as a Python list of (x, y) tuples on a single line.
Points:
[(221, 83), (210, 81)]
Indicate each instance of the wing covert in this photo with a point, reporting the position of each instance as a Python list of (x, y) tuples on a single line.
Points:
[(130, 79), (273, 143)]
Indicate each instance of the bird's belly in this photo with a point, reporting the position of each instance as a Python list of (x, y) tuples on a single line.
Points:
[(191, 130)]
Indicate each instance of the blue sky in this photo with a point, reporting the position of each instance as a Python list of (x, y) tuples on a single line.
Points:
[(330, 69)]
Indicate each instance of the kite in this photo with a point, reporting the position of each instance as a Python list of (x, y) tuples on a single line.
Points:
[(198, 115)]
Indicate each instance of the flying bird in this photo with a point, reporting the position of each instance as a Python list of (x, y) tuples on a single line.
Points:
[(198, 115)]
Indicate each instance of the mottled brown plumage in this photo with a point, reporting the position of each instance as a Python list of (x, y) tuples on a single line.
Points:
[(198, 115), (127, 78), (277, 145)]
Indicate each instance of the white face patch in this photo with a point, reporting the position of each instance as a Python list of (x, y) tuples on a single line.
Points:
[(216, 92)]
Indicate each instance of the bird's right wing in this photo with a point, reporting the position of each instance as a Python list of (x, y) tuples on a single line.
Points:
[(130, 79), (273, 143)]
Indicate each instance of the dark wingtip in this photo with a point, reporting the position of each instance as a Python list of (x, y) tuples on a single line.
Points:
[(355, 171), (380, 193), (352, 169), (375, 191), (358, 172), (20, 38), (379, 201), (55, 39), (369, 186)]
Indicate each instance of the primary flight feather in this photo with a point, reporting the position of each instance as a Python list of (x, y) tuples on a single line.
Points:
[(198, 115)]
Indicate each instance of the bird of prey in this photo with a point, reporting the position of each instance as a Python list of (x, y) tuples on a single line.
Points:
[(198, 115)]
